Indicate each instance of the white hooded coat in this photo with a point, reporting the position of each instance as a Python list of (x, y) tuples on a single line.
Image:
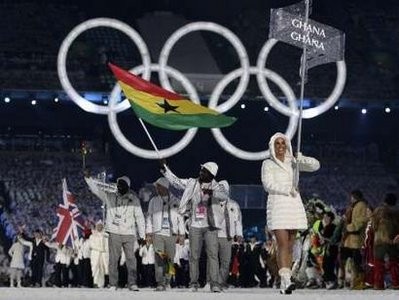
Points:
[(17, 253), (285, 211)]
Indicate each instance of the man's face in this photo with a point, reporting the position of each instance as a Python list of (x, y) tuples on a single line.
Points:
[(122, 186), (205, 175)]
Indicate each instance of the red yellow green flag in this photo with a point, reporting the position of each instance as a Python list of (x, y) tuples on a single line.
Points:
[(166, 109)]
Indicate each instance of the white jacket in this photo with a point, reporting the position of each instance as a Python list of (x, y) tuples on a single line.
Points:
[(278, 177), (84, 251), (147, 254), (192, 197), (124, 213), (17, 253), (182, 252), (63, 254), (235, 219), (285, 209), (156, 211), (98, 241)]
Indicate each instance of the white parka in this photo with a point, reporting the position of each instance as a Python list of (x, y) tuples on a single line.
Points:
[(285, 210), (17, 251), (126, 207)]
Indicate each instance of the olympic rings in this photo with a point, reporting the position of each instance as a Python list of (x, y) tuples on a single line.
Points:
[(164, 70)]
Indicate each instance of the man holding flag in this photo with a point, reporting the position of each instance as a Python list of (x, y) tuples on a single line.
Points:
[(201, 201)]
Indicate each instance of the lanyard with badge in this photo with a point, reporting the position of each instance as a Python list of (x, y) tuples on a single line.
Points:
[(165, 213), (120, 210), (201, 209)]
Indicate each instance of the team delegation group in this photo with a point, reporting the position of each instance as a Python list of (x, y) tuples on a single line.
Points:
[(214, 219)]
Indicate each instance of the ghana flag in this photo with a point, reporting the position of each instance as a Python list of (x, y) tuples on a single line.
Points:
[(163, 108)]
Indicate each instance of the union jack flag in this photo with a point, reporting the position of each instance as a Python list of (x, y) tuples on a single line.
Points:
[(70, 224)]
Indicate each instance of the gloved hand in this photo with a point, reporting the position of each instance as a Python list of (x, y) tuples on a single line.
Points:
[(163, 163), (298, 156), (293, 192)]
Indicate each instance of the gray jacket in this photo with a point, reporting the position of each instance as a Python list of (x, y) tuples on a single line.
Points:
[(124, 213)]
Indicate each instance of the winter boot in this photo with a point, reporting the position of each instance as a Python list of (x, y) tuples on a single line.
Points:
[(286, 286)]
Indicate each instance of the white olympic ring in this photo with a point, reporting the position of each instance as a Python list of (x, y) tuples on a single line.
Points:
[(230, 36), (62, 55), (307, 113), (164, 70), (292, 125)]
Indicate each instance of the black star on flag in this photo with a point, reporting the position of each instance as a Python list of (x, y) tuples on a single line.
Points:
[(167, 106)]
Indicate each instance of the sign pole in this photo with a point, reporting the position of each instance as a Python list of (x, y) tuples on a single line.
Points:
[(303, 75)]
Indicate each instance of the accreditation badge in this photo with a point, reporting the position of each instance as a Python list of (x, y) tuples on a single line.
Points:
[(200, 211)]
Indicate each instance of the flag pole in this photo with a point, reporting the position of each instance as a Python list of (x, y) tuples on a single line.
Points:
[(302, 93), (150, 138)]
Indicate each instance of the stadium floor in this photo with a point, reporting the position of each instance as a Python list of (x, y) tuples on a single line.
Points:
[(184, 294)]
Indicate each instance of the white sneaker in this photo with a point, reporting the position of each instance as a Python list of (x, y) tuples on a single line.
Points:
[(207, 287), (134, 288), (215, 289), (112, 288), (194, 288)]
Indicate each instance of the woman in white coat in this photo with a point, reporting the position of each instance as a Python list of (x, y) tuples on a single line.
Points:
[(17, 264), (285, 210)]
